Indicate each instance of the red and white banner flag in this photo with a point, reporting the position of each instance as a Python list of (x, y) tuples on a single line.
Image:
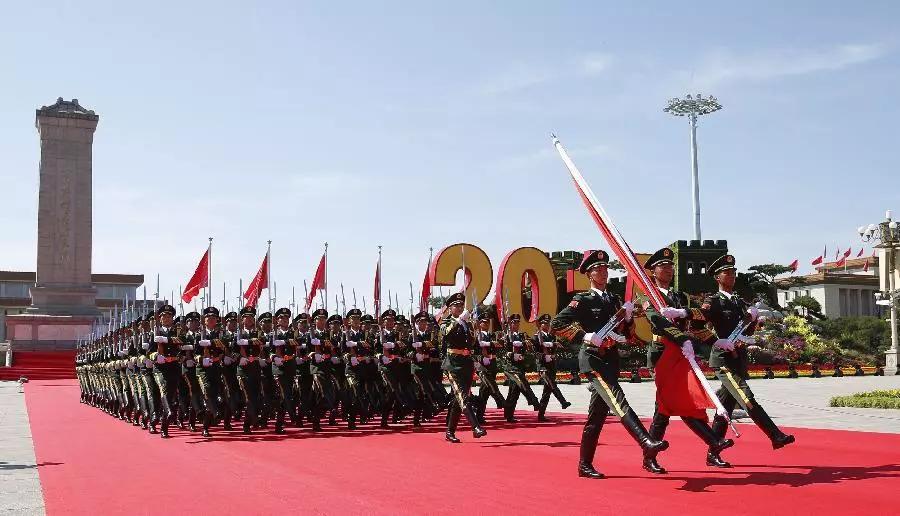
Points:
[(859, 254), (199, 280), (318, 283), (793, 266), (847, 252), (259, 282), (426, 288), (821, 258)]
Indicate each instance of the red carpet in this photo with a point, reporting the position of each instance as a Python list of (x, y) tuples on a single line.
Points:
[(40, 365), (90, 463)]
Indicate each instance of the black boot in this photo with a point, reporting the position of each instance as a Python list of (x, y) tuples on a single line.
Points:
[(656, 432), (718, 427), (708, 435), (586, 459), (477, 430), (164, 431), (452, 421), (650, 446), (764, 422)]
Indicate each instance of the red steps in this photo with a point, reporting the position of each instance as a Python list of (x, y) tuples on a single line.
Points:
[(40, 365)]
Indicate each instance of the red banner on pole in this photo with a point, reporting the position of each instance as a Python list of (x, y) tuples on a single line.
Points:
[(199, 280)]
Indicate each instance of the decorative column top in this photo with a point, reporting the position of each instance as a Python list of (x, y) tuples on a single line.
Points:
[(67, 109)]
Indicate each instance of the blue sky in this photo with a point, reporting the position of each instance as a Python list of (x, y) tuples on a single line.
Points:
[(416, 125)]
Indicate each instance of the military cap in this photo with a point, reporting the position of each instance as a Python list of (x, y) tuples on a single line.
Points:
[(166, 309), (210, 311), (248, 310), (422, 315), (483, 316), (402, 318), (192, 315), (231, 315), (515, 318), (303, 316), (367, 318), (593, 259), (544, 319), (458, 297), (724, 262), (390, 312), (354, 312), (179, 320), (335, 319), (664, 255), (320, 312), (265, 316), (283, 311)]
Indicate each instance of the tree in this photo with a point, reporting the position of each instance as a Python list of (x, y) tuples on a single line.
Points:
[(808, 304), (869, 335)]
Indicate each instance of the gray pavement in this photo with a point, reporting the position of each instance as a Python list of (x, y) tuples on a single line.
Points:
[(799, 402), (20, 487)]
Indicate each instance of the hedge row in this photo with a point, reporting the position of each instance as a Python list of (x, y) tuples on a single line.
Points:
[(883, 399)]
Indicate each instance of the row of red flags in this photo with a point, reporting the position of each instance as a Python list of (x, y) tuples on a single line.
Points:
[(840, 258)]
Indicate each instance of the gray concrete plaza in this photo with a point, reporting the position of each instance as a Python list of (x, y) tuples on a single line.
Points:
[(20, 487)]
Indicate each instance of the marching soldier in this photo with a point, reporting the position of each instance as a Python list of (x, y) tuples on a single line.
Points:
[(284, 368), (303, 379), (167, 369), (514, 368), (210, 352), (422, 344), (248, 369), (268, 398), (486, 366), (391, 365), (324, 396), (336, 338), (456, 338), (581, 323), (355, 358), (148, 348), (545, 348), (724, 311), (192, 395), (676, 328), (229, 370)]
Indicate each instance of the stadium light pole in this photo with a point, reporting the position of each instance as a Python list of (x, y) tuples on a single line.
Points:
[(694, 107)]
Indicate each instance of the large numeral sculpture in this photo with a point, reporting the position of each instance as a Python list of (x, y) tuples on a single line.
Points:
[(533, 264), (478, 274)]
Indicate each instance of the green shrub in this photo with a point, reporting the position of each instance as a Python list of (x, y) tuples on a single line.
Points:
[(883, 399)]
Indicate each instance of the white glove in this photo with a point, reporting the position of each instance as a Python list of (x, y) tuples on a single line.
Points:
[(243, 342), (385, 360), (351, 343), (722, 413), (388, 345), (335, 360), (754, 313), (484, 343), (420, 357), (227, 360), (278, 361), (486, 361), (243, 362), (187, 347), (159, 339), (548, 358), (279, 342), (687, 349), (318, 357), (205, 343), (315, 342), (160, 359), (417, 344), (354, 361), (299, 360), (145, 345), (189, 363), (465, 315), (629, 308), (149, 363), (548, 344), (517, 356), (616, 337), (673, 313), (517, 343), (761, 319), (724, 344), (592, 338), (207, 362)]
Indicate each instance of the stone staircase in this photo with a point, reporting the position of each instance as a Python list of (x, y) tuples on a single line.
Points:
[(40, 365)]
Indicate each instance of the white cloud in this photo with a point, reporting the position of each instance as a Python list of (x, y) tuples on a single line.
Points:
[(724, 66)]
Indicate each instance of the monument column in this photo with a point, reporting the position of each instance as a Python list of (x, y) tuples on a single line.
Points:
[(63, 282)]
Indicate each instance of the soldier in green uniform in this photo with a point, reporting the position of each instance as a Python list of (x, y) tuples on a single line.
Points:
[(211, 348), (724, 311), (421, 342), (676, 329), (391, 364), (324, 395), (355, 357), (248, 371), (458, 343), (336, 338), (580, 323), (145, 369), (303, 380), (268, 398), (284, 368), (138, 408), (487, 366), (545, 349), (514, 365), (167, 368), (191, 386), (230, 357)]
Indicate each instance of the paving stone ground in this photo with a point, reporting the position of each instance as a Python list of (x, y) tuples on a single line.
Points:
[(801, 402)]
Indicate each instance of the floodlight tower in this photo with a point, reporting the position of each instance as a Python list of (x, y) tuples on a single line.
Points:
[(693, 107)]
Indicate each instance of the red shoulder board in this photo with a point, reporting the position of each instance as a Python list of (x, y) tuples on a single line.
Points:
[(573, 304), (705, 306)]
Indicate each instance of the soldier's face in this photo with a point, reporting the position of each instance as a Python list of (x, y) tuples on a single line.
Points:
[(599, 275), (247, 321), (545, 327), (726, 278), (389, 323), (193, 325), (422, 324), (664, 273), (354, 322), (484, 325), (267, 325), (514, 325), (282, 321), (231, 324), (165, 319), (456, 309), (211, 322)]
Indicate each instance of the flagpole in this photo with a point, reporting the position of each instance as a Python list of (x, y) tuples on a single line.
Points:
[(326, 276), (377, 302), (428, 272), (269, 272), (209, 274)]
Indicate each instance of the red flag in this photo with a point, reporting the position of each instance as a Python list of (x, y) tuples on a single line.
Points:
[(426, 289), (793, 266), (260, 281), (859, 254), (866, 266), (817, 261), (841, 262), (318, 282), (199, 280), (847, 252), (377, 293)]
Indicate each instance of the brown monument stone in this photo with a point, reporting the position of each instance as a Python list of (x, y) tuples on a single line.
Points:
[(63, 283)]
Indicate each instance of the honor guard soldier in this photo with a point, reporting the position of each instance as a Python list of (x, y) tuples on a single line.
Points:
[(167, 369), (675, 330), (724, 311), (336, 338), (580, 323), (355, 358), (148, 348), (248, 370), (545, 349), (487, 366), (284, 368), (457, 340), (268, 397), (209, 352), (514, 367), (320, 367), (229, 369), (191, 337), (390, 364), (423, 346), (303, 378)]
